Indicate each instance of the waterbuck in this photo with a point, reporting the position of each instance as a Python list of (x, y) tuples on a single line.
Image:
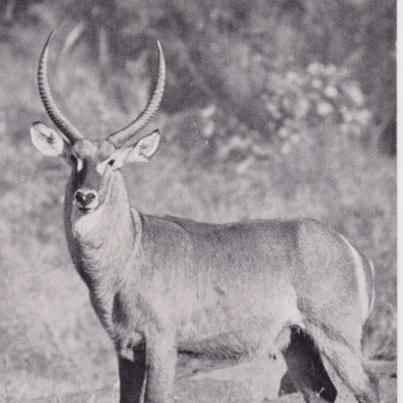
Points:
[(163, 285)]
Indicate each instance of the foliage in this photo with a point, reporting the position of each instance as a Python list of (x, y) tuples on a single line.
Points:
[(351, 43), (298, 102)]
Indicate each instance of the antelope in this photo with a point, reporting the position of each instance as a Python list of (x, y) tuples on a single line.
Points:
[(162, 285)]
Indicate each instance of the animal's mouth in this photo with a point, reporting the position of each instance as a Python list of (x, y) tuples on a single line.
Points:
[(87, 209)]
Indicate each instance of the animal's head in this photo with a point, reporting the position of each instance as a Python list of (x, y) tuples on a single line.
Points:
[(93, 163)]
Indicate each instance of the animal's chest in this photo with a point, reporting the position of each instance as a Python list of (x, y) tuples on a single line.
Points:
[(121, 317)]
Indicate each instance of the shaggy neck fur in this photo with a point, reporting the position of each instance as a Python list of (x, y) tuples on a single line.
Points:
[(101, 242)]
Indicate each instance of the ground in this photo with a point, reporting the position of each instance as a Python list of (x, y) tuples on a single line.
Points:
[(197, 382)]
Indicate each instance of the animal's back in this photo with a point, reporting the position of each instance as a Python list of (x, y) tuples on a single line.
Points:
[(226, 252)]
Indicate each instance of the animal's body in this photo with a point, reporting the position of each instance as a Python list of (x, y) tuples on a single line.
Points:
[(160, 285), (222, 289)]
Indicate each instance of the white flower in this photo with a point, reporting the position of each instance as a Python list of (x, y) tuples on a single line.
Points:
[(314, 68), (208, 130), (331, 91), (273, 110), (330, 69), (208, 111), (347, 116), (292, 76), (363, 117), (238, 143), (354, 92), (316, 83), (324, 108)]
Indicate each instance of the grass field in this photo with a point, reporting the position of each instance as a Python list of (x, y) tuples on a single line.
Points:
[(51, 343)]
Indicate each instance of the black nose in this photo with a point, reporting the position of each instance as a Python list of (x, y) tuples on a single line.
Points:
[(85, 197)]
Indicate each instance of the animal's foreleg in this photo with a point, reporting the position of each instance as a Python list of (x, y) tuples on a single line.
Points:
[(161, 361), (131, 374)]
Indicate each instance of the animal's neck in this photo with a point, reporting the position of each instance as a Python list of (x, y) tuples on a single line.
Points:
[(102, 241)]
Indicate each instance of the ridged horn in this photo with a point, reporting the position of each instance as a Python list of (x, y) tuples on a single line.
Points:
[(48, 101), (121, 136)]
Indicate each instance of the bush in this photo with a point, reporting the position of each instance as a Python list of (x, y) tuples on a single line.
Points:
[(298, 102)]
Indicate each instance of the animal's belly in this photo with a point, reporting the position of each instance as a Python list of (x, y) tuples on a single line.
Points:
[(219, 335), (239, 324), (223, 346)]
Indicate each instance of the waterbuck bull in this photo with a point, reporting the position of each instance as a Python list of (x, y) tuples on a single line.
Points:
[(162, 285)]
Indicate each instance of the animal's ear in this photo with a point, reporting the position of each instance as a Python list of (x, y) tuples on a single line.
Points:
[(48, 141), (144, 149)]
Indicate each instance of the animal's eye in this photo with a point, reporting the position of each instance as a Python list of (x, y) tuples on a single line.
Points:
[(111, 162)]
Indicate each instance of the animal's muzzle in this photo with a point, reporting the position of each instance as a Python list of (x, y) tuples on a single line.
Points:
[(86, 199)]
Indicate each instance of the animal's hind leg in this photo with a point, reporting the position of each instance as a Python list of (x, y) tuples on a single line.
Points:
[(349, 366), (306, 367), (287, 385)]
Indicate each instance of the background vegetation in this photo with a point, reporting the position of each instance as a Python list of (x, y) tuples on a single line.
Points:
[(273, 108)]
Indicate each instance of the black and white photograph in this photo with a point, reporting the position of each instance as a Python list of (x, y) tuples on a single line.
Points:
[(198, 201)]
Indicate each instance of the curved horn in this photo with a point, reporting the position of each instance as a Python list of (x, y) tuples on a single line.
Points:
[(119, 137), (49, 103)]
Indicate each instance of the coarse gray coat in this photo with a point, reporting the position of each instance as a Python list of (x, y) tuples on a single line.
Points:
[(164, 284)]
